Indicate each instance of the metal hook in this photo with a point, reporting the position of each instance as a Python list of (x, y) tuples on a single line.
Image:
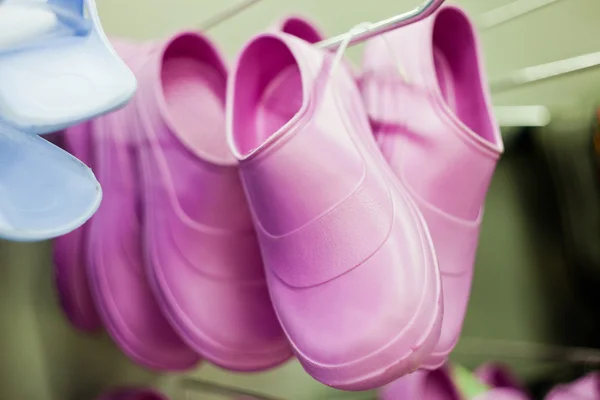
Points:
[(378, 28)]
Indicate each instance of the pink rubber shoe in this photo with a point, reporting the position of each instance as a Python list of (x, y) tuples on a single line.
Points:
[(586, 388), (301, 27), (349, 262), (430, 109), (498, 376), (439, 385), (504, 384), (422, 385), (204, 261), (124, 299), (69, 253), (70, 250), (133, 394)]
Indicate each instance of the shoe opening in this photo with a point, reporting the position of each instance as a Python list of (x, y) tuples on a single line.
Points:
[(193, 79), (459, 77), (267, 93), (301, 29)]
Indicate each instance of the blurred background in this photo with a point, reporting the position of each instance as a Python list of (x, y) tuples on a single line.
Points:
[(524, 289)]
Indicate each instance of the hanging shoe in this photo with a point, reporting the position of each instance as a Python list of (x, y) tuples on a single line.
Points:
[(116, 270), (443, 384), (503, 383), (301, 27), (425, 91), (498, 376), (204, 260), (51, 81), (44, 191), (69, 251), (423, 385), (349, 262)]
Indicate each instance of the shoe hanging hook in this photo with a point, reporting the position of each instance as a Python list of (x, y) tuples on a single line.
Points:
[(386, 25)]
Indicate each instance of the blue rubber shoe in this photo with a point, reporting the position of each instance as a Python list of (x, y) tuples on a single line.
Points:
[(44, 191), (57, 66)]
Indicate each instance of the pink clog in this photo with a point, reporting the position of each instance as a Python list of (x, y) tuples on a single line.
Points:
[(586, 388), (204, 261), (122, 294), (69, 251), (301, 27), (349, 262), (498, 376), (439, 385), (422, 385), (429, 106), (305, 29)]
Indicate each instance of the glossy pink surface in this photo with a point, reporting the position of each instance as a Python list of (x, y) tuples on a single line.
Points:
[(349, 262), (422, 385), (426, 94), (498, 376), (301, 27), (69, 251), (204, 262), (438, 385), (116, 267), (307, 30)]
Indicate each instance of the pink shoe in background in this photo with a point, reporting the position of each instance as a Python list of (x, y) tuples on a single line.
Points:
[(439, 385), (498, 376), (350, 265), (301, 27), (204, 260), (116, 271), (503, 383), (428, 101), (423, 385), (133, 394), (69, 251), (586, 388)]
